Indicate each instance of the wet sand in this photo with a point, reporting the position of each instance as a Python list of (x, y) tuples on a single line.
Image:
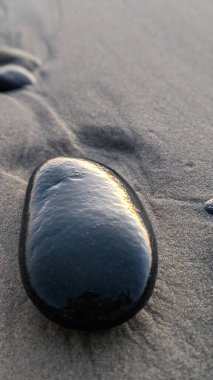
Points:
[(129, 84)]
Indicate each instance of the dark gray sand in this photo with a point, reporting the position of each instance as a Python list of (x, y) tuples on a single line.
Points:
[(130, 84)]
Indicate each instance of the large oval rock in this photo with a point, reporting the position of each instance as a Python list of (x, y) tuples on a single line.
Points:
[(88, 255)]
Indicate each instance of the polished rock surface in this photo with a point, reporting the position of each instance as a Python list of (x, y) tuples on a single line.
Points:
[(88, 255), (13, 77)]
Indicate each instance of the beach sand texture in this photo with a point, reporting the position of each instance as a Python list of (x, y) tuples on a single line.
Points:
[(128, 83)]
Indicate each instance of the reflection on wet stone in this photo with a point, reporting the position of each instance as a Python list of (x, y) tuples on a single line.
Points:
[(88, 255)]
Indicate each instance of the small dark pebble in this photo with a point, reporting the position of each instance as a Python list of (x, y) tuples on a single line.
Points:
[(10, 55), (208, 206), (87, 253), (13, 77)]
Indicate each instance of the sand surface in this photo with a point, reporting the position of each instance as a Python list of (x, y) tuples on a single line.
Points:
[(128, 83)]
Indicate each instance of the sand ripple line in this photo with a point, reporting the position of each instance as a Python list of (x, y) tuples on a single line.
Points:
[(12, 176), (43, 112)]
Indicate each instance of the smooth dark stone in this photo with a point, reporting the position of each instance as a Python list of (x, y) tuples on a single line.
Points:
[(208, 206), (13, 77), (88, 255), (10, 55)]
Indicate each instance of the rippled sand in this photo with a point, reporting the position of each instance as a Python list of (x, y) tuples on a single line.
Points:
[(129, 84)]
